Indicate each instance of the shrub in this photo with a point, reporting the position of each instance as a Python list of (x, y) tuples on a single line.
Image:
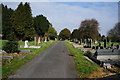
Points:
[(88, 53), (11, 46)]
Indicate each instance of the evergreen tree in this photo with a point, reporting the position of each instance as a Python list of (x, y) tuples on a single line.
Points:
[(7, 30), (23, 22), (65, 34), (52, 33), (28, 22), (41, 25), (74, 34)]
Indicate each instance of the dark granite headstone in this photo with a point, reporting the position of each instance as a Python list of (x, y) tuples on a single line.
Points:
[(105, 43)]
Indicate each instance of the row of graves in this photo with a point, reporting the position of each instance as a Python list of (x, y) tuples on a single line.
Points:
[(8, 57), (100, 53)]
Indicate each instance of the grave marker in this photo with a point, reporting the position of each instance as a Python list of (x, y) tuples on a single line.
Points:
[(38, 40), (105, 42), (26, 44)]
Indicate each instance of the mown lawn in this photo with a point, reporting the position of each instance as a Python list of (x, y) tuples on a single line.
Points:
[(83, 66), (16, 63)]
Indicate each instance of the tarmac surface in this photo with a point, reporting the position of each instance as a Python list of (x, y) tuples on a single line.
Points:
[(54, 62)]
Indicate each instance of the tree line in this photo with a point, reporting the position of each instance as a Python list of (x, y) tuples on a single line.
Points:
[(19, 24), (89, 29)]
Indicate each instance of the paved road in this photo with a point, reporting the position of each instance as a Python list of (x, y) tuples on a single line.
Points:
[(55, 62)]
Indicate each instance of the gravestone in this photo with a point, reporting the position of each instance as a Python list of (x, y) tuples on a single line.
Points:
[(95, 42), (24, 50), (105, 42), (85, 42), (90, 43), (107, 65), (45, 39), (35, 40), (95, 55), (2, 51), (26, 44), (55, 39), (99, 45), (112, 45), (118, 46), (39, 40), (81, 41)]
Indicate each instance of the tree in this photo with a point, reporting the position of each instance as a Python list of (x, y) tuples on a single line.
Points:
[(74, 34), (7, 29), (52, 33), (22, 22), (114, 33), (89, 29), (41, 25), (65, 34)]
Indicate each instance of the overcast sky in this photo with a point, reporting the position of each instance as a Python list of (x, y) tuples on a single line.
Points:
[(70, 14)]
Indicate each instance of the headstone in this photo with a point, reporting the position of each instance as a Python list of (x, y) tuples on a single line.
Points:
[(26, 44), (85, 41), (112, 45), (81, 40), (107, 65), (95, 42), (45, 39), (2, 51), (35, 40), (24, 50), (55, 39), (118, 46), (90, 43), (99, 45), (95, 54), (38, 40), (105, 42)]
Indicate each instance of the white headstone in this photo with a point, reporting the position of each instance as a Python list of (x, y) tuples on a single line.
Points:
[(95, 42), (26, 44), (45, 39), (55, 39), (39, 40)]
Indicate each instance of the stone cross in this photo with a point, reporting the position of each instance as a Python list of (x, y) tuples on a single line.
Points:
[(26, 44)]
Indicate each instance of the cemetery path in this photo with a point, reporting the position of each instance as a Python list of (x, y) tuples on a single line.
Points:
[(54, 62)]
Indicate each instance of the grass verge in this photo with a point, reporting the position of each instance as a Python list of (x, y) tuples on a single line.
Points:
[(83, 66), (16, 63)]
